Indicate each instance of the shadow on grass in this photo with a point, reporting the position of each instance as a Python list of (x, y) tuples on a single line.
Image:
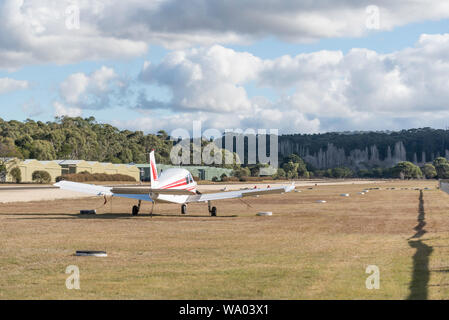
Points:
[(106, 216), (421, 273)]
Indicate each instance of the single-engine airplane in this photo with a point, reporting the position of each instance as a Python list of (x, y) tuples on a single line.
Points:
[(175, 185)]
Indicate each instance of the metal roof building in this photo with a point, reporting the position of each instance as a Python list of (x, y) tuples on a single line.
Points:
[(202, 172), (57, 168), (77, 166), (27, 167)]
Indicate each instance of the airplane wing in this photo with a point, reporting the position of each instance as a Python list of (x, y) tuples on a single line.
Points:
[(100, 190), (140, 190), (84, 188), (139, 193), (239, 194), (143, 193)]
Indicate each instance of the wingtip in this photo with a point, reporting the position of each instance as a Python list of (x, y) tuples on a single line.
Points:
[(290, 187)]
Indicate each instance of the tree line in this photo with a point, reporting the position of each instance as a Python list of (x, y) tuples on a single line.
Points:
[(431, 142), (295, 167), (85, 138), (78, 138)]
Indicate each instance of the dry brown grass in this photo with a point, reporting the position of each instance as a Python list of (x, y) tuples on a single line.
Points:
[(306, 250)]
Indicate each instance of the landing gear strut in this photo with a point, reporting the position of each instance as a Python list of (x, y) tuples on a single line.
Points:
[(184, 209), (213, 210), (136, 209)]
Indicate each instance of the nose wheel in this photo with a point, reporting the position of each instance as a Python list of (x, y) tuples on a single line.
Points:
[(184, 209)]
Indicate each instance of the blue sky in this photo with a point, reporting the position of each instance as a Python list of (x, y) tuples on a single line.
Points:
[(297, 77)]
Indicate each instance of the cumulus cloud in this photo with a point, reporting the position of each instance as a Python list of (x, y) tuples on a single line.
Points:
[(9, 85), (325, 90), (62, 110), (203, 79), (175, 24), (92, 91), (35, 31), (73, 87)]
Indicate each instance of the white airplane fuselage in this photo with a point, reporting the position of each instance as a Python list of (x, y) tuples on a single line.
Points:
[(176, 179)]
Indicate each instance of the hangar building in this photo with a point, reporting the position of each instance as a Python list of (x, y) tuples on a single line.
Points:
[(77, 166), (57, 168), (27, 167), (202, 172)]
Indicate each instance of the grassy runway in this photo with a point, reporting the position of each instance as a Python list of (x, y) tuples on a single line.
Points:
[(306, 250)]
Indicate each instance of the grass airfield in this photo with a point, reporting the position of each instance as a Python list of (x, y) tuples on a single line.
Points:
[(306, 250)]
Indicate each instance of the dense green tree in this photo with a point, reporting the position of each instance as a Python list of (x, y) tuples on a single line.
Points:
[(41, 176), (16, 174), (42, 150), (241, 172), (8, 148), (3, 171), (342, 172), (429, 171), (280, 174), (291, 169), (442, 167), (295, 167), (406, 170)]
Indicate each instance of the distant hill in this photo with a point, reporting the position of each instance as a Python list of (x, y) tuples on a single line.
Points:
[(361, 150), (78, 138)]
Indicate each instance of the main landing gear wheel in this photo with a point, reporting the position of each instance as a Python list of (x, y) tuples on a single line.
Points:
[(184, 209), (212, 210), (136, 209)]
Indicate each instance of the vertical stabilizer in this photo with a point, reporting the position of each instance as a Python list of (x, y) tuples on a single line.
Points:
[(153, 170)]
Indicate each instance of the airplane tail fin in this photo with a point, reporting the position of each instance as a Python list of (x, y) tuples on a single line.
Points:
[(153, 170)]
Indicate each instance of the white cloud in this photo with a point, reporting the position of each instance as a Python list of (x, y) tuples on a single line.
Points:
[(91, 91), (204, 79), (179, 23), (34, 31), (313, 92), (62, 110), (73, 87), (9, 85)]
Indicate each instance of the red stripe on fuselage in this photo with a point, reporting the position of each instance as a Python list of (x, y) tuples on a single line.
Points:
[(176, 185), (173, 183)]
